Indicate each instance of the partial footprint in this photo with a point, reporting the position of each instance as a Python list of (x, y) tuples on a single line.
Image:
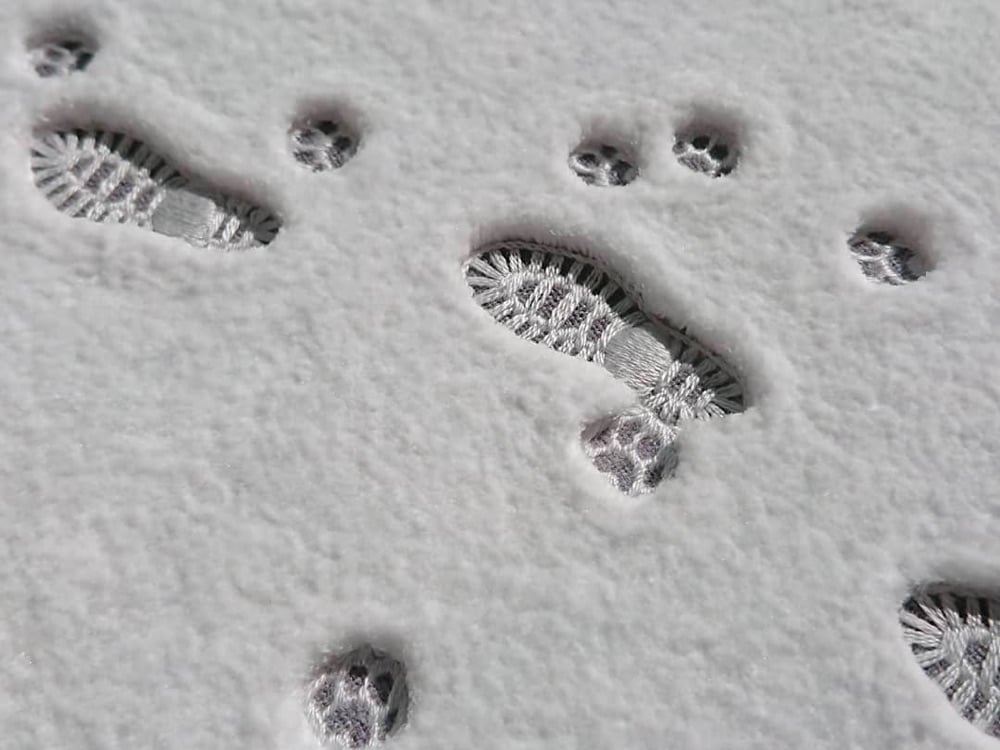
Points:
[(60, 57), (553, 296), (110, 177), (954, 635)]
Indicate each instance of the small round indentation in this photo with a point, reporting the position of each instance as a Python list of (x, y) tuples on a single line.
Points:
[(603, 164), (719, 152), (322, 144)]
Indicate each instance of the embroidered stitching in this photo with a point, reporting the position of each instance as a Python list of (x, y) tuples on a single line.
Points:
[(551, 296), (357, 699), (956, 641), (602, 164), (885, 260), (111, 177), (635, 449)]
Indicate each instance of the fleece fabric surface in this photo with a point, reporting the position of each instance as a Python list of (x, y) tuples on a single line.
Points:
[(214, 467)]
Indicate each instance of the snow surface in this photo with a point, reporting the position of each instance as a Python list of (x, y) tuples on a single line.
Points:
[(213, 467)]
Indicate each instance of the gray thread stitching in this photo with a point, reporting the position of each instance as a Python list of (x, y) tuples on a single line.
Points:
[(550, 296), (635, 449), (357, 699), (111, 177), (883, 259), (956, 641)]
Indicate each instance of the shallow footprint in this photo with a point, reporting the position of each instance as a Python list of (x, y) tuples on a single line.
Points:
[(553, 296), (110, 177)]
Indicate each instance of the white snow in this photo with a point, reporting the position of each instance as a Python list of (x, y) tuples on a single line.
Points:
[(214, 467)]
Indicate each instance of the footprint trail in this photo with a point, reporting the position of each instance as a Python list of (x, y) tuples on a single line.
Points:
[(554, 297)]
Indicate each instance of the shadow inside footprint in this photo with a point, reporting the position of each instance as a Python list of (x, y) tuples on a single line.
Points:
[(557, 298), (110, 177), (954, 634)]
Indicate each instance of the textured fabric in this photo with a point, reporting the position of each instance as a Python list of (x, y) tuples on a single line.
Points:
[(548, 295), (678, 379), (956, 641), (704, 150), (60, 58), (635, 449), (357, 699), (884, 260), (113, 178), (602, 164)]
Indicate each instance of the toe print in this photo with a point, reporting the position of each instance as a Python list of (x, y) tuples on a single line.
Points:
[(322, 145), (956, 641), (884, 259), (357, 699), (602, 164), (549, 295), (706, 149), (111, 177), (61, 57)]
